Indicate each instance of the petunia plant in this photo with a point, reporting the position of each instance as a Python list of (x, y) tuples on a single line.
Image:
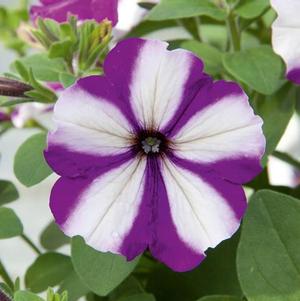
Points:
[(154, 123)]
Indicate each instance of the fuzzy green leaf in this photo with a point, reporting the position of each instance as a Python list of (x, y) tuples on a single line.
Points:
[(49, 269), (8, 192), (44, 68), (175, 9), (259, 68), (251, 9), (279, 108), (30, 166), (10, 224), (268, 258), (210, 55), (53, 238), (26, 296), (100, 272)]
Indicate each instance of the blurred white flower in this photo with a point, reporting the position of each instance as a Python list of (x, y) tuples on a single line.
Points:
[(27, 112), (130, 15)]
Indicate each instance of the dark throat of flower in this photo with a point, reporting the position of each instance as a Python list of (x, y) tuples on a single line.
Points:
[(150, 143)]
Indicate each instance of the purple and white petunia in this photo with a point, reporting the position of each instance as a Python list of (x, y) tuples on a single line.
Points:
[(286, 35), (84, 10), (152, 155)]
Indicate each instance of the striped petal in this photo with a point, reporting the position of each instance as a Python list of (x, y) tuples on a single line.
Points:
[(219, 129), (101, 209), (90, 128), (185, 210), (153, 79), (286, 35)]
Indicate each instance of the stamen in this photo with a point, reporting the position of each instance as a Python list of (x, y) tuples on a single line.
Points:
[(151, 145)]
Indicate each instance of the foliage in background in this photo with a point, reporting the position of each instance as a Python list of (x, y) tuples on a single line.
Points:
[(261, 262)]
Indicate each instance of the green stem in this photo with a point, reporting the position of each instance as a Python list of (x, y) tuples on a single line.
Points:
[(31, 244), (5, 276), (286, 158), (233, 33), (198, 33)]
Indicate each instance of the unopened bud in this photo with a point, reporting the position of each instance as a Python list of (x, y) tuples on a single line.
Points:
[(10, 87)]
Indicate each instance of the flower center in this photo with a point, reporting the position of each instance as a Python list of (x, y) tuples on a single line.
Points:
[(151, 144)]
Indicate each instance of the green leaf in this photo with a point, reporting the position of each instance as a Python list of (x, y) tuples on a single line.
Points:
[(211, 56), (53, 238), (215, 275), (44, 68), (8, 192), (220, 298), (10, 103), (175, 9), (61, 49), (139, 297), (276, 111), (10, 225), (129, 287), (49, 269), (74, 286), (67, 79), (39, 97), (268, 258), (251, 9), (30, 166), (22, 70), (26, 296), (101, 272), (259, 68), (45, 93)]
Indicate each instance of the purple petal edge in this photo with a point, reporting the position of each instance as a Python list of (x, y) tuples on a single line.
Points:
[(294, 75), (154, 228)]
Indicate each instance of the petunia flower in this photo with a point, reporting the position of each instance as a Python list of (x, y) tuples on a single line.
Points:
[(87, 9), (285, 35), (152, 155)]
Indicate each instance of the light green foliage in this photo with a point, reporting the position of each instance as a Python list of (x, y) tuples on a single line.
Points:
[(49, 269), (8, 192), (211, 56), (251, 9), (176, 9), (259, 68), (261, 262), (30, 166), (10, 224), (100, 272), (52, 237), (268, 259)]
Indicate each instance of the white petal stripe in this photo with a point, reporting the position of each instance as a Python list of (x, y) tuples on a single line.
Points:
[(200, 214), (226, 129), (286, 32), (106, 210), (158, 83), (90, 125)]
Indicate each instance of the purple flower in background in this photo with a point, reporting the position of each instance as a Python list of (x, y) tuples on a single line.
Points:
[(87, 9), (4, 116), (153, 155), (285, 35)]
